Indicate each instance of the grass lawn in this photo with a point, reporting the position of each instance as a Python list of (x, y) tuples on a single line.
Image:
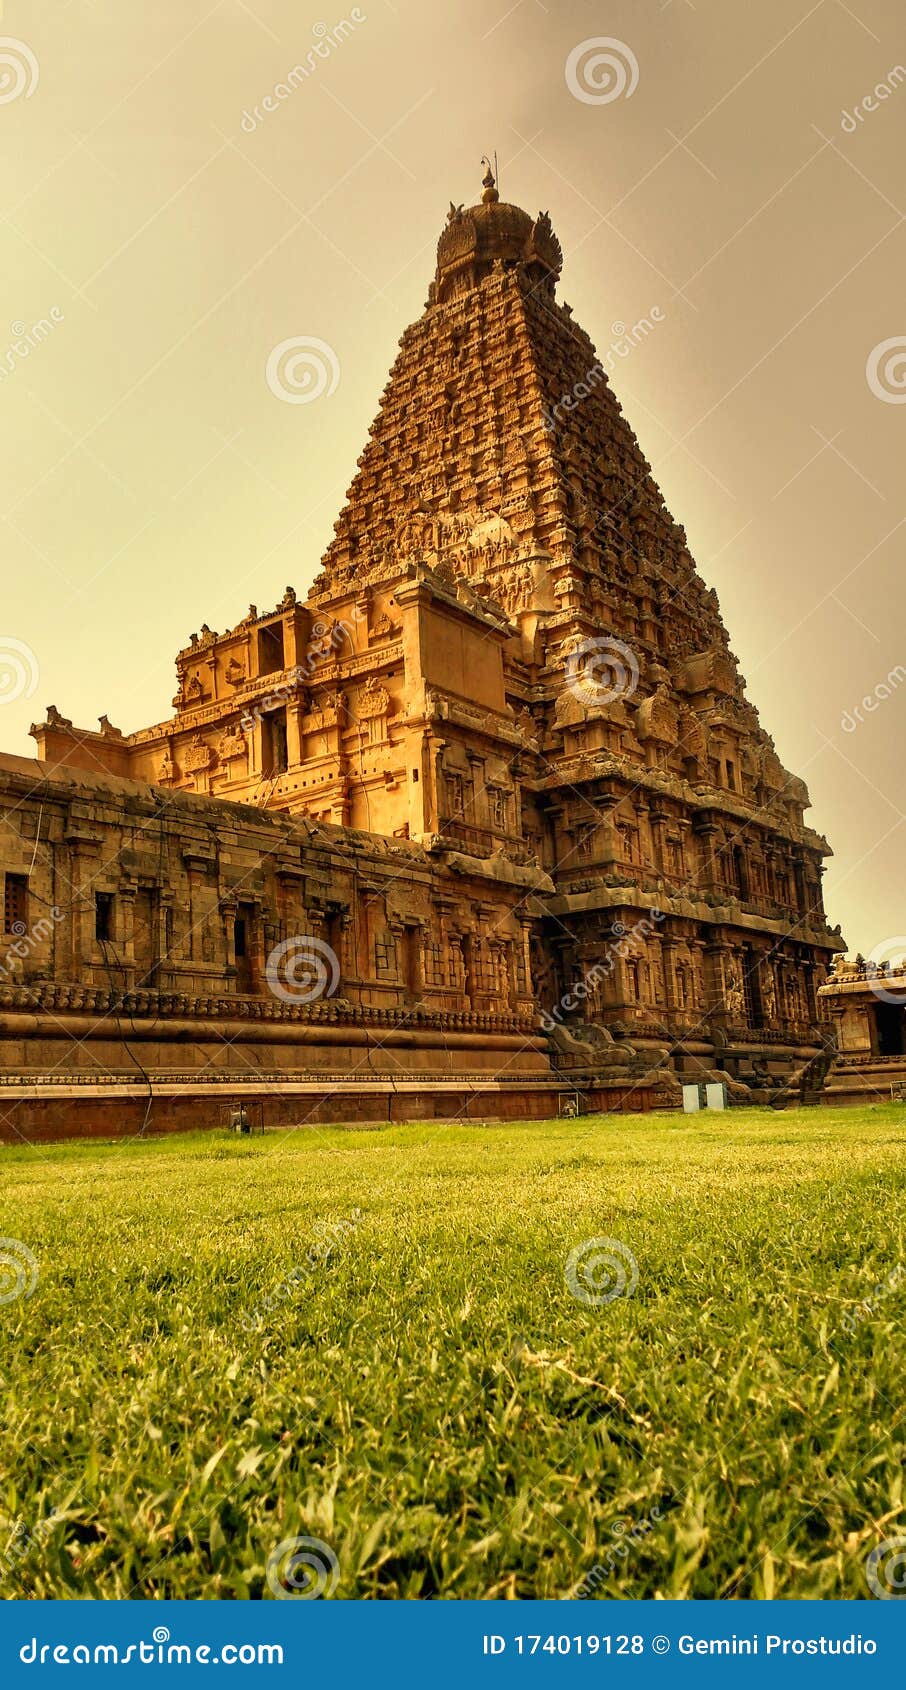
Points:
[(368, 1338)]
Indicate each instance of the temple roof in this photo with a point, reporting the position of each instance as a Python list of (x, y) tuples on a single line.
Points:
[(477, 237)]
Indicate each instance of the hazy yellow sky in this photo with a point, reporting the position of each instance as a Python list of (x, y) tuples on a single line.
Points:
[(169, 242)]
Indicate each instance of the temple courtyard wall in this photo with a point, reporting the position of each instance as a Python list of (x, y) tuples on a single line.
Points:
[(168, 956)]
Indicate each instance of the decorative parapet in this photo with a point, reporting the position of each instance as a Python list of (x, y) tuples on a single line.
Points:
[(861, 975), (101, 1001)]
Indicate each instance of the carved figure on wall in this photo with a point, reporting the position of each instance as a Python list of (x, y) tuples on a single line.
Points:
[(233, 744), (734, 995), (200, 755)]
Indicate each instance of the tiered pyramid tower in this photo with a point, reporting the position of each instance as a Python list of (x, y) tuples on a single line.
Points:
[(510, 657)]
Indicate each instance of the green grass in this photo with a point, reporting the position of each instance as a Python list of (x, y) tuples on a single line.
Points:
[(428, 1398)]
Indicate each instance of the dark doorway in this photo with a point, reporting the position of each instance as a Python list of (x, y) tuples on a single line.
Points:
[(740, 872), (270, 649), (274, 750), (243, 945), (889, 1029), (103, 917)]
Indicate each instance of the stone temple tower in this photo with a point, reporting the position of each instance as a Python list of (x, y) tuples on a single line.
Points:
[(509, 659), (501, 459)]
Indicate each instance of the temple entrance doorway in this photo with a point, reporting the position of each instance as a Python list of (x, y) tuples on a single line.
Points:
[(889, 1029)]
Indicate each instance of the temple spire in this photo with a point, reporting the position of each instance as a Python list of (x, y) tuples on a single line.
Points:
[(490, 195)]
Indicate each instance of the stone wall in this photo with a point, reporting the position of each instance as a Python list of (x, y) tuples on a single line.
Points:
[(152, 934)]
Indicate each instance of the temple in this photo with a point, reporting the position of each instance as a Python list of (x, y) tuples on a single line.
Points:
[(485, 824)]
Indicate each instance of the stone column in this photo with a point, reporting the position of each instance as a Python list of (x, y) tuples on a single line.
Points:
[(523, 956), (294, 713), (717, 955), (228, 909), (83, 861), (126, 930), (668, 950)]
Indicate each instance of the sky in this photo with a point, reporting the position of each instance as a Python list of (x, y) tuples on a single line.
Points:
[(168, 221)]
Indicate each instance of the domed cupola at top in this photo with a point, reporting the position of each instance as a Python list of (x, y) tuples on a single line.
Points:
[(478, 237)]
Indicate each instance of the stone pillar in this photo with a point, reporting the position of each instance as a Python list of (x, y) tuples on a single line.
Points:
[(656, 822), (523, 956), (343, 928), (294, 713), (697, 949), (717, 955), (125, 935), (452, 939), (228, 908), (83, 860), (668, 949), (166, 938), (476, 800), (708, 835)]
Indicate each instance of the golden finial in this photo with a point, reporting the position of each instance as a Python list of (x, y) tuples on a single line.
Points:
[(490, 195)]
